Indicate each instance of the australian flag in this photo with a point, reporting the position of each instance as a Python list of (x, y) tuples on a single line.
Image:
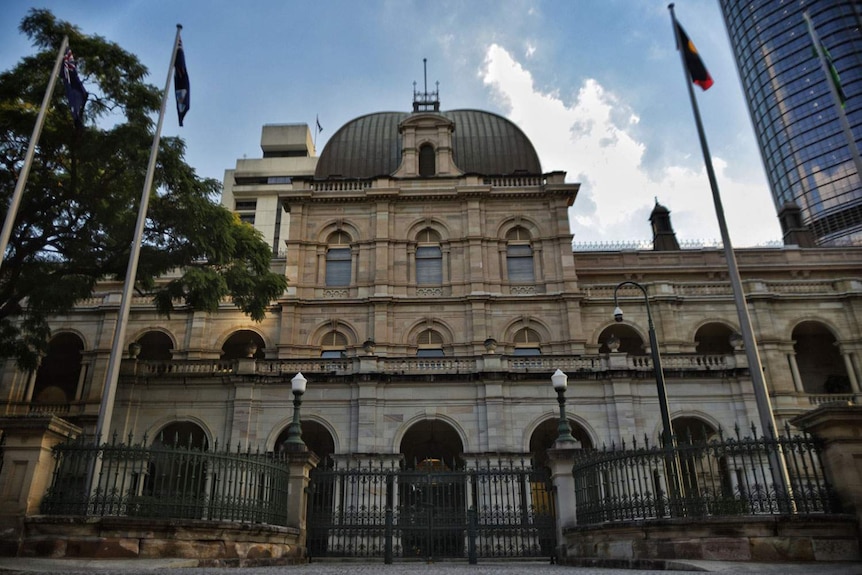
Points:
[(181, 83), (75, 92)]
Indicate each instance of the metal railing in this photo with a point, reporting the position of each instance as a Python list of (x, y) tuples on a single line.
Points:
[(432, 510), (167, 481), (718, 477)]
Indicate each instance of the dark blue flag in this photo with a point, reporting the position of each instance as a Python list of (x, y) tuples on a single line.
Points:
[(181, 83), (75, 93)]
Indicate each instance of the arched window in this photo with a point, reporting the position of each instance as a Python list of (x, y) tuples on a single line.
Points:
[(519, 256), (527, 342), (338, 260), (427, 160), (333, 345), (430, 344), (429, 258)]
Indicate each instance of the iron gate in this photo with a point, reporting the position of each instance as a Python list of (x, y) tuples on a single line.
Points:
[(378, 509)]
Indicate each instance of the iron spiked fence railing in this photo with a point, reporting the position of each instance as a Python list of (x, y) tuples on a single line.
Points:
[(431, 509), (167, 480), (721, 476)]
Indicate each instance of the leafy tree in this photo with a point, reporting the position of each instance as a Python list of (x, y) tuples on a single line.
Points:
[(77, 215)]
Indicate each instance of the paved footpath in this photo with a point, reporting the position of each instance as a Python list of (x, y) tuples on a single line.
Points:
[(21, 566)]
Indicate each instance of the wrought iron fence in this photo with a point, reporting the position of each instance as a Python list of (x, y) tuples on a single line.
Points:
[(719, 476), (167, 480)]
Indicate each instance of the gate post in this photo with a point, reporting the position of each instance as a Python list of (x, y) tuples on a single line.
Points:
[(472, 532), (838, 427), (27, 472), (387, 545), (301, 463), (561, 459)]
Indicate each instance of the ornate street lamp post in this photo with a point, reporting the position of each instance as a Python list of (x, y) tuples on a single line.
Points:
[(294, 440), (564, 430), (667, 429)]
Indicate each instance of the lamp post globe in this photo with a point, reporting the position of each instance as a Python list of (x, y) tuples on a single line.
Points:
[(294, 440), (564, 430)]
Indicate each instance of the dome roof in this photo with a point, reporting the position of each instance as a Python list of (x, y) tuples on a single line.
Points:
[(482, 143)]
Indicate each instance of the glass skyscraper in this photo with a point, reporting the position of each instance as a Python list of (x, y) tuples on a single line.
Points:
[(805, 149)]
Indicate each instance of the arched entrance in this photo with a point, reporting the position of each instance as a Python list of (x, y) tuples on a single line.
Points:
[(431, 501), (545, 435), (818, 357), (432, 495), (708, 479), (175, 485), (60, 371), (432, 443), (315, 436)]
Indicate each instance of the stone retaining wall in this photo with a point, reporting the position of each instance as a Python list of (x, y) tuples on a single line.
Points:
[(121, 537), (750, 538)]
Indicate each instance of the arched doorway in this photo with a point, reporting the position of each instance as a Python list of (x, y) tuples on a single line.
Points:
[(242, 344), (621, 338), (315, 436), (176, 479), (707, 479), (432, 495), (60, 370), (155, 346), (818, 357), (714, 339), (545, 435), (434, 443), (324, 487)]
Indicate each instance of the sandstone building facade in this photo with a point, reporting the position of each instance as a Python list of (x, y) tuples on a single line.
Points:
[(433, 290)]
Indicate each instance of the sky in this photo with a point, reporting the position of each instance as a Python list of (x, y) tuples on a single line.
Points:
[(597, 86)]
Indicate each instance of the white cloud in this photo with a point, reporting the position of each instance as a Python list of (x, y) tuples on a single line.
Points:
[(590, 138)]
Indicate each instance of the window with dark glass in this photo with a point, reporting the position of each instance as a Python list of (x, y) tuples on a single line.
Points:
[(338, 260), (333, 345), (245, 209), (427, 160), (519, 256), (429, 258), (430, 344), (527, 342)]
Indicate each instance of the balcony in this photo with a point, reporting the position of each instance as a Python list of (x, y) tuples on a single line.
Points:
[(412, 365)]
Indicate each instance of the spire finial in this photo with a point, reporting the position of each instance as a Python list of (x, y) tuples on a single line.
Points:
[(426, 101)]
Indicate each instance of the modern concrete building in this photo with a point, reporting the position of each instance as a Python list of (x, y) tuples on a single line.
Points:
[(804, 147)]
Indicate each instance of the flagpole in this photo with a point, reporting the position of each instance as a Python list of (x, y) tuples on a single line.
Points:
[(842, 116), (778, 465), (15, 202), (106, 408)]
